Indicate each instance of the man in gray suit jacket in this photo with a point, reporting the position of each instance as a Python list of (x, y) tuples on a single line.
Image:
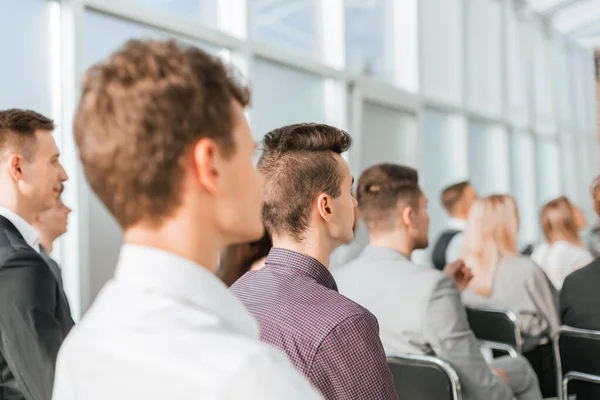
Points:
[(419, 309)]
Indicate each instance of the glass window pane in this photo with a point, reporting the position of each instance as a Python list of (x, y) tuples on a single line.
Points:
[(488, 158), (517, 64), (441, 49), (202, 11), (548, 169), (569, 166), (388, 135), (483, 34), (543, 80), (28, 58), (108, 34), (581, 81), (564, 79), (288, 24), (366, 50), (442, 160), (523, 187), (283, 96), (587, 156)]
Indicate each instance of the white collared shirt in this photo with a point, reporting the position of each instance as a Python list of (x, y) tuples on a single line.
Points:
[(560, 259), (28, 232), (456, 244), (166, 328)]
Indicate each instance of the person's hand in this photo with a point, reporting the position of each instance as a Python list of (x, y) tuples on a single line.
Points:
[(459, 273), (501, 373)]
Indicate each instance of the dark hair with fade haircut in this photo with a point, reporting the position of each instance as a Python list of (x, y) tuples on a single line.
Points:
[(18, 127), (297, 166), (140, 112), (452, 194), (382, 188)]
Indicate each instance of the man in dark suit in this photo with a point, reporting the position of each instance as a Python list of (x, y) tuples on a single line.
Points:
[(580, 301), (34, 314)]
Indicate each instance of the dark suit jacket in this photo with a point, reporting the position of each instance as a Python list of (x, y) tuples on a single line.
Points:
[(580, 298), (580, 308), (34, 319)]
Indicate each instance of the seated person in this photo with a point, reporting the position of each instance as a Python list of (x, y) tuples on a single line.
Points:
[(419, 309), (564, 250), (580, 301), (309, 211), (502, 277), (457, 200)]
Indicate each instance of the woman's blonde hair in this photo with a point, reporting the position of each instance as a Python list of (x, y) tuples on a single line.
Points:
[(491, 235), (559, 222)]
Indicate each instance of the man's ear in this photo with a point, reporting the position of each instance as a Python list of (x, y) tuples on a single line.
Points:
[(323, 204), (207, 164), (15, 165), (407, 215)]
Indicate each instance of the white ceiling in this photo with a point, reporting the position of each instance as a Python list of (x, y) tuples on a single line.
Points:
[(579, 19)]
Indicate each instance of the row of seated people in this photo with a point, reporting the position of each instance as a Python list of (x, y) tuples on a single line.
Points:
[(562, 253), (165, 145), (386, 282), (561, 221), (419, 309)]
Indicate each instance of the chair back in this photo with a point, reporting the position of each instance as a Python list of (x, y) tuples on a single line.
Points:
[(424, 378), (496, 328), (577, 352)]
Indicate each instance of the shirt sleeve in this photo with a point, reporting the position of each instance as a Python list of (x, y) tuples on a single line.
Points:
[(31, 333), (351, 363), (269, 376), (449, 334)]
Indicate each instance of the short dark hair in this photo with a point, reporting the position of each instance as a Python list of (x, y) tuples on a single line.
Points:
[(18, 127), (453, 194), (297, 165), (237, 259), (382, 188), (139, 114)]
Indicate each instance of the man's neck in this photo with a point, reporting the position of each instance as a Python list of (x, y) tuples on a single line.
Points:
[(46, 242), (183, 238), (316, 249), (393, 240), (19, 209)]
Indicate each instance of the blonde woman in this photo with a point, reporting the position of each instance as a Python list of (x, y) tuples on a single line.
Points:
[(502, 277), (564, 251)]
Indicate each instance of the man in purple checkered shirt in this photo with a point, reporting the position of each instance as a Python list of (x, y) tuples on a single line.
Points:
[(309, 211)]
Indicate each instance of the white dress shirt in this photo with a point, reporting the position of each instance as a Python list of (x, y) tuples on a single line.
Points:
[(456, 244), (560, 259), (166, 328), (31, 236)]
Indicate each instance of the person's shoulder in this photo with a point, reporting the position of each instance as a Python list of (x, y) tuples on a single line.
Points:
[(13, 246), (25, 263), (575, 252), (521, 263), (583, 274), (539, 251)]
